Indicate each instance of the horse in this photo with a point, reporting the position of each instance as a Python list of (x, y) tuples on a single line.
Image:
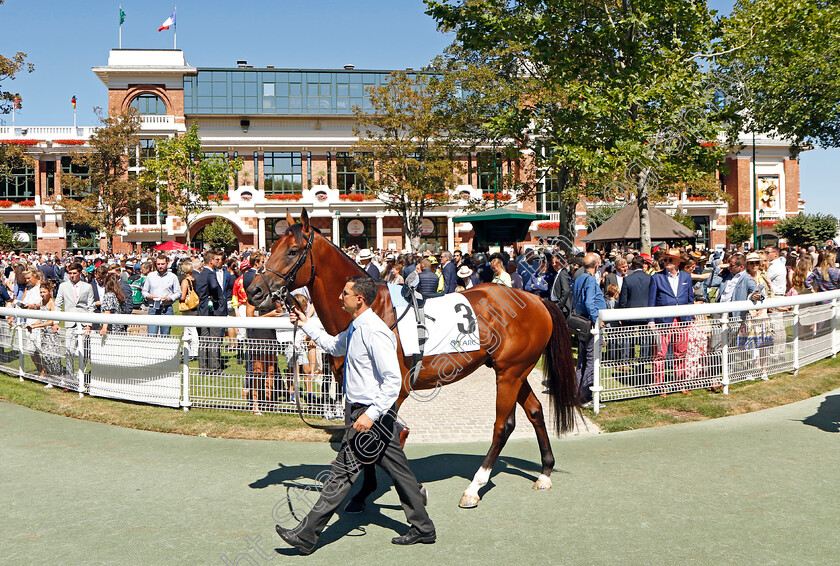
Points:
[(515, 329)]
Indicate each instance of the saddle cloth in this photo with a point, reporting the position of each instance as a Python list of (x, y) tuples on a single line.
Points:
[(450, 323)]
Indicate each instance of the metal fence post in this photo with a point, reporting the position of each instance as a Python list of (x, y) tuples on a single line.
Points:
[(796, 340), (724, 353), (185, 376), (596, 366), (21, 373)]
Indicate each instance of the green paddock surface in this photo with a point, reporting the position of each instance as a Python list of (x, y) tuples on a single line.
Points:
[(760, 488)]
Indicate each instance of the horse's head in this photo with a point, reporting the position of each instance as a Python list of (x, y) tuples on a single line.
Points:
[(290, 265)]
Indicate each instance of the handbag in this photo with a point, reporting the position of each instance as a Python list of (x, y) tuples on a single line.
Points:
[(578, 324), (190, 301)]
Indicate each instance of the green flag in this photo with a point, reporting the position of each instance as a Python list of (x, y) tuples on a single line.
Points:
[(122, 16)]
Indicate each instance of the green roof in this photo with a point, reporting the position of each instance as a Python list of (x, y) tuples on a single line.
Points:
[(500, 214)]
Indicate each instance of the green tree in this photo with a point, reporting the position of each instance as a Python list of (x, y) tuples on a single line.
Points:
[(108, 194), (597, 215), (219, 235), (405, 157), (8, 241), (613, 98), (788, 56), (739, 230), (188, 179), (807, 229)]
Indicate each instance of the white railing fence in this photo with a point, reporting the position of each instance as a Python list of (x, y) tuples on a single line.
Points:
[(717, 345), (196, 365), (720, 344)]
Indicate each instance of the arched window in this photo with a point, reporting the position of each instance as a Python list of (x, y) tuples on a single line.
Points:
[(148, 104)]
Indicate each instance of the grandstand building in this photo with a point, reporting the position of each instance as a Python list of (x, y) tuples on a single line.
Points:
[(293, 129)]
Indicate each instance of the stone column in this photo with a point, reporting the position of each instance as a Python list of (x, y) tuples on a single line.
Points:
[(450, 234), (260, 232), (380, 231), (336, 238)]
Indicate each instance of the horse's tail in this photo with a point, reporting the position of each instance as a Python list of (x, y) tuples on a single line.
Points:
[(560, 373)]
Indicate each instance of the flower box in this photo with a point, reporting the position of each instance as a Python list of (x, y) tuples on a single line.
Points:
[(497, 196), (70, 142), (548, 225), (357, 197), (218, 198), (26, 203), (21, 142), (768, 223), (284, 197)]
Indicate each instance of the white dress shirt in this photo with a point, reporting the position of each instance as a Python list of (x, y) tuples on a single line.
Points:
[(372, 374), (777, 275)]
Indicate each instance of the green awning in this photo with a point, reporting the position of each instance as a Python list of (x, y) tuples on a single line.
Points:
[(500, 214)]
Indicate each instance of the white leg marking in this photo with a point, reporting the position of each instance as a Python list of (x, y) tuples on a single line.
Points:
[(543, 482), (482, 476)]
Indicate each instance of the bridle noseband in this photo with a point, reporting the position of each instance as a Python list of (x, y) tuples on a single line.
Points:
[(282, 293)]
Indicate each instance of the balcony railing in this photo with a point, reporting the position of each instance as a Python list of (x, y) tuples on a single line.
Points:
[(157, 122), (46, 133)]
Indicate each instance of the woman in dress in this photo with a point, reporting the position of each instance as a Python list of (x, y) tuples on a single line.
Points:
[(114, 302), (759, 335), (187, 285), (47, 357)]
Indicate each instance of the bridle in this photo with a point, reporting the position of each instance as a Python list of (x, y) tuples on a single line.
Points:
[(282, 293)]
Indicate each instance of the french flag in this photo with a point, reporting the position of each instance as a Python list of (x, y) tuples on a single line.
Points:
[(170, 22)]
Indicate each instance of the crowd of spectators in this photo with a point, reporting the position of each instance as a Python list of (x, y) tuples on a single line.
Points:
[(213, 284)]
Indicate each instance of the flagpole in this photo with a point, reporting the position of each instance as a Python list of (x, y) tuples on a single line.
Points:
[(175, 34), (120, 27)]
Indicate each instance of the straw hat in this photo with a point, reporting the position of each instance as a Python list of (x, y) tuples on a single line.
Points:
[(364, 254), (464, 272)]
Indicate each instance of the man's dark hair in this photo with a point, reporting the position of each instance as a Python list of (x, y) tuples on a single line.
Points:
[(76, 266), (209, 256), (366, 287), (638, 263)]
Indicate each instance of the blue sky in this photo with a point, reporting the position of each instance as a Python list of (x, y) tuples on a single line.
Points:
[(65, 39)]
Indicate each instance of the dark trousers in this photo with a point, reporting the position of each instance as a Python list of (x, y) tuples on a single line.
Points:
[(210, 348), (348, 465), (585, 366)]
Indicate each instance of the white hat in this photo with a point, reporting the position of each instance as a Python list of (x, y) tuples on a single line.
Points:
[(464, 271), (364, 254)]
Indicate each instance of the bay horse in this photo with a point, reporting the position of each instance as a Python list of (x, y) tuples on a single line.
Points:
[(515, 329)]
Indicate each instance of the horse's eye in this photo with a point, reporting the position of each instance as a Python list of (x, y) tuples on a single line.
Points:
[(293, 251)]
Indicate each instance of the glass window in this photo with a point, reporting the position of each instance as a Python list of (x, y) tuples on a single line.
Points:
[(348, 180), (282, 172), (147, 150), (552, 193), (19, 185), (28, 228), (78, 171), (486, 171), (146, 104)]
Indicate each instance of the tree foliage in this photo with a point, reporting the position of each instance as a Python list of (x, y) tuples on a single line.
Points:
[(807, 229), (739, 230), (8, 241), (187, 178), (108, 194), (614, 98), (403, 154), (788, 55), (219, 235)]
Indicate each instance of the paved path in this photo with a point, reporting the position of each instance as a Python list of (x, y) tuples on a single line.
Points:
[(753, 489), (465, 411)]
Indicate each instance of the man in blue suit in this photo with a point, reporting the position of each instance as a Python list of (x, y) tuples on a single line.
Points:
[(635, 292), (449, 271), (671, 286)]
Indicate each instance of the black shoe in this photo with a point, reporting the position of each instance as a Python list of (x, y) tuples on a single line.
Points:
[(354, 506), (293, 539), (414, 536)]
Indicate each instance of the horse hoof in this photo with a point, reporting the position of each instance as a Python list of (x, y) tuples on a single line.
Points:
[(542, 484), (468, 502)]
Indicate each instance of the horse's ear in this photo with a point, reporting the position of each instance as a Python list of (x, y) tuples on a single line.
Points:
[(289, 218), (304, 219)]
